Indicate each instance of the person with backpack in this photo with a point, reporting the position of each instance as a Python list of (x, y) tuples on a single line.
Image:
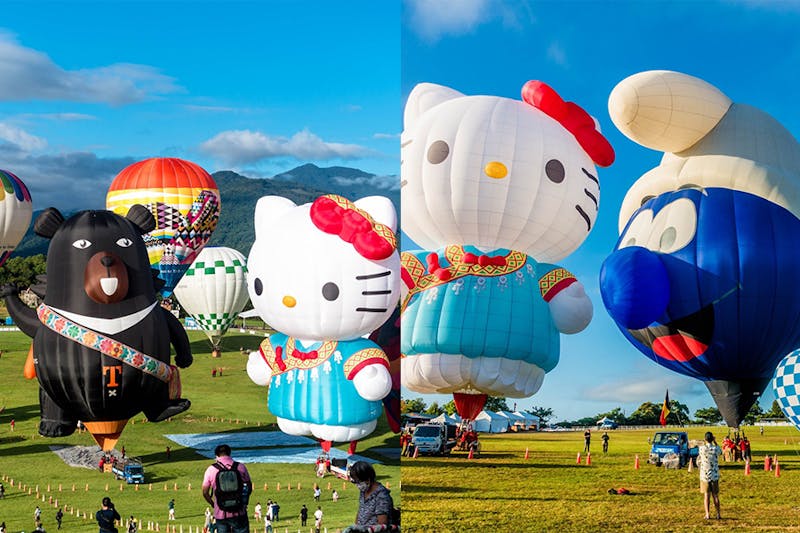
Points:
[(226, 486), (107, 516)]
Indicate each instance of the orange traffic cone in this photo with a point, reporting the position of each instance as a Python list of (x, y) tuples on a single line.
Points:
[(767, 463), (526, 453), (777, 468), (691, 466), (589, 459), (471, 453), (578, 460), (747, 468), (416, 452), (636, 463)]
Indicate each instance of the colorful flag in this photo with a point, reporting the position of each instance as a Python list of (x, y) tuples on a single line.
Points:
[(664, 410)]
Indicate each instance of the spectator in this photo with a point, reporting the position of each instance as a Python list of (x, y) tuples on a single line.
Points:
[(168, 452), (708, 461), (133, 525), (171, 506), (207, 524), (317, 519), (267, 525), (257, 512), (13, 423), (2, 491), (374, 501), (106, 517), (59, 517), (2, 527), (303, 515), (231, 520), (605, 438), (37, 514), (587, 440), (335, 496), (275, 511), (317, 493)]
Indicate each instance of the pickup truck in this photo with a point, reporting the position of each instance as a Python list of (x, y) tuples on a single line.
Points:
[(434, 438), (671, 442), (130, 469)]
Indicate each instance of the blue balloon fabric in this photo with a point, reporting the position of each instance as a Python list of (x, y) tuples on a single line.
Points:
[(728, 261)]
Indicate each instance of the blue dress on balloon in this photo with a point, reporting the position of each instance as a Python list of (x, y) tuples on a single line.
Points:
[(466, 301), (314, 384)]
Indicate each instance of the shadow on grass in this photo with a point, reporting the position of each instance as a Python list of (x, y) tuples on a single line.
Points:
[(21, 413), (483, 462), (10, 440)]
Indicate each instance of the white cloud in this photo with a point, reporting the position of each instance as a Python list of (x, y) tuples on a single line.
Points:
[(210, 108), (353, 108), (20, 138), (246, 146), (65, 117), (68, 181), (386, 136), (389, 183), (645, 389), (27, 74), (557, 54), (432, 20)]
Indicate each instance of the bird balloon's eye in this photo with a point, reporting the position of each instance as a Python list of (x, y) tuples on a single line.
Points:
[(123, 242), (81, 244)]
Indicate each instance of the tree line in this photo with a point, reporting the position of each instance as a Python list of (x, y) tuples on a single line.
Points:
[(647, 414)]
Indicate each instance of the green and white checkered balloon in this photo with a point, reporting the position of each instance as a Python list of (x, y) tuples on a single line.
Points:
[(214, 290)]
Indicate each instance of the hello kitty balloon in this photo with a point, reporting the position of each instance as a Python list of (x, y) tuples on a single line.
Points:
[(323, 275), (493, 189)]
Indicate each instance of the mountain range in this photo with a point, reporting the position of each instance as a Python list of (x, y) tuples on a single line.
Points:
[(239, 195)]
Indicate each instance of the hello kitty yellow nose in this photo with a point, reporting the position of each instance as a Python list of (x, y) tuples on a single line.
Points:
[(496, 170), (289, 301)]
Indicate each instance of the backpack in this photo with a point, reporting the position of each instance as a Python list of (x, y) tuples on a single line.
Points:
[(229, 488)]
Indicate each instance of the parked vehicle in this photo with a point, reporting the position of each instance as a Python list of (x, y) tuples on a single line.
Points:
[(434, 438), (130, 469), (667, 443)]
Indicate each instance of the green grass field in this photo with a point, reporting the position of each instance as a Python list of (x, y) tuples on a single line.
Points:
[(26, 457), (501, 491)]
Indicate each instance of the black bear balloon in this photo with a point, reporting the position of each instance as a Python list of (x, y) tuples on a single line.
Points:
[(101, 342)]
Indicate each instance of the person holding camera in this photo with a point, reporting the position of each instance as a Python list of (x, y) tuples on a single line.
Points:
[(106, 517)]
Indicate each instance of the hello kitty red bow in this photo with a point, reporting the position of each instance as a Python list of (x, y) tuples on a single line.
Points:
[(339, 216), (573, 118)]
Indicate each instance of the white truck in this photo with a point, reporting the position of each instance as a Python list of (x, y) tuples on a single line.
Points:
[(436, 439)]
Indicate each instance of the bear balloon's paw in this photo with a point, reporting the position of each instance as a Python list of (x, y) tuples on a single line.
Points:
[(8, 289), (173, 407), (571, 309), (373, 382), (258, 370), (184, 360)]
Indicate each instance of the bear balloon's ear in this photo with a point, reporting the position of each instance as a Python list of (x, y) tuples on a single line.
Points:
[(48, 223), (142, 218)]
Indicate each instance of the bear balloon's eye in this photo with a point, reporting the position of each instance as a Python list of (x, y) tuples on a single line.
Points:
[(330, 291), (258, 287), (124, 242), (81, 244), (438, 152), (555, 170)]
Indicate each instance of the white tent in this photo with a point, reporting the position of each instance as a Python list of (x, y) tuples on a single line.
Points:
[(444, 418), (531, 421), (513, 419), (489, 422)]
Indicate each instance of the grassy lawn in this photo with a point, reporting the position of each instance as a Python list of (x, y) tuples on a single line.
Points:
[(26, 457), (501, 491)]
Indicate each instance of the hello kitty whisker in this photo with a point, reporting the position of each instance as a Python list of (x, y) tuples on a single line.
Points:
[(585, 217), (373, 276), (590, 176), (371, 309), (406, 143), (592, 196), (374, 293)]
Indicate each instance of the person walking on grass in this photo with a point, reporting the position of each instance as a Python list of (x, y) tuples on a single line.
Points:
[(317, 519), (171, 507), (59, 517), (605, 438), (708, 463), (303, 515), (225, 486), (587, 440), (106, 517)]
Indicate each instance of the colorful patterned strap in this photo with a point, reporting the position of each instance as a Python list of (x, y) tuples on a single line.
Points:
[(554, 282), (280, 361), (106, 346)]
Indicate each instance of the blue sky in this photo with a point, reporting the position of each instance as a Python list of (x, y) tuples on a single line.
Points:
[(750, 50), (89, 87)]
